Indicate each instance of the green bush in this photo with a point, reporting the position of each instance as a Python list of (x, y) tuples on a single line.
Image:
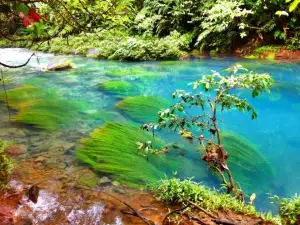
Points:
[(5, 166), (267, 48), (114, 45), (289, 210), (181, 192)]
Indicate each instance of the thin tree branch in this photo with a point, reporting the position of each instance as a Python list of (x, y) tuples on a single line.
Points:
[(202, 210), (175, 211), (18, 66), (134, 213), (6, 97)]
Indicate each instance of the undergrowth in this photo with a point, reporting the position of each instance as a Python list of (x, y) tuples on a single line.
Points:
[(289, 209), (175, 191), (113, 45), (5, 166)]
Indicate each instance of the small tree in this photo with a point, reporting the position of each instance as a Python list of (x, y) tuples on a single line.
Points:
[(218, 94)]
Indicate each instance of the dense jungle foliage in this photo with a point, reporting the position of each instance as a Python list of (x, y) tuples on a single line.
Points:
[(146, 30)]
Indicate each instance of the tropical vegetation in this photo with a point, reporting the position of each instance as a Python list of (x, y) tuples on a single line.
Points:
[(147, 30)]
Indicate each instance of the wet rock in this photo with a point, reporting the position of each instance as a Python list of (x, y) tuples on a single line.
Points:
[(51, 163), (16, 149), (89, 179), (16, 185), (62, 177), (50, 145), (40, 159), (68, 146), (38, 165), (69, 184), (21, 133), (24, 221), (62, 165), (33, 193), (71, 161), (104, 180), (119, 191)]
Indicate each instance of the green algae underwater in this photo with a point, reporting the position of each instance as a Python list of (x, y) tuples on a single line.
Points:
[(39, 108), (113, 107), (143, 108), (119, 88)]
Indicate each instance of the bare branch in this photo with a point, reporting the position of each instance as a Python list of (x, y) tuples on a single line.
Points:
[(18, 66)]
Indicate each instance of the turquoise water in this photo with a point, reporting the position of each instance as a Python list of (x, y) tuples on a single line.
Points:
[(276, 132)]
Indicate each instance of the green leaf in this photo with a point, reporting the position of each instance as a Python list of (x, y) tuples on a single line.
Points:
[(21, 7), (294, 5)]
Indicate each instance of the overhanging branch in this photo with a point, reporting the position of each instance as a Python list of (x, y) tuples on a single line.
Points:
[(18, 66)]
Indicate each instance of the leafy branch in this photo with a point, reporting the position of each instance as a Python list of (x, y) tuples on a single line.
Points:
[(217, 94)]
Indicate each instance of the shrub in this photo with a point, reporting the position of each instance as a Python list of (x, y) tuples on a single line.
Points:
[(5, 166), (289, 210), (176, 191)]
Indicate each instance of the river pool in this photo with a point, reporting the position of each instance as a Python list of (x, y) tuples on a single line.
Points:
[(69, 105)]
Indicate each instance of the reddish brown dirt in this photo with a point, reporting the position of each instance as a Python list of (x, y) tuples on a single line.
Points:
[(70, 193), (9, 202), (144, 203), (283, 54)]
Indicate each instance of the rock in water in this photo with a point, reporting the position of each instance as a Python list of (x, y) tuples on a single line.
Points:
[(33, 193), (104, 180), (16, 149), (59, 66)]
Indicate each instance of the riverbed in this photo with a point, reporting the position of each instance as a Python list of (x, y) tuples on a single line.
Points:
[(81, 103)]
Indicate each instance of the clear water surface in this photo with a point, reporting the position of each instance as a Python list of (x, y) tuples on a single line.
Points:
[(276, 132)]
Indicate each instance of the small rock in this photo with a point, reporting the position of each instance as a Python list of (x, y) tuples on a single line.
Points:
[(16, 149), (119, 190), (89, 179), (51, 163), (68, 146), (21, 133), (69, 184), (116, 183), (62, 165), (104, 180), (40, 159), (38, 165), (62, 177)]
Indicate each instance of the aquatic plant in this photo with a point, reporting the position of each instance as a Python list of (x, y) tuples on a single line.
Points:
[(143, 108), (132, 72), (5, 166), (246, 162), (119, 88), (40, 108), (112, 149), (292, 89), (218, 96)]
